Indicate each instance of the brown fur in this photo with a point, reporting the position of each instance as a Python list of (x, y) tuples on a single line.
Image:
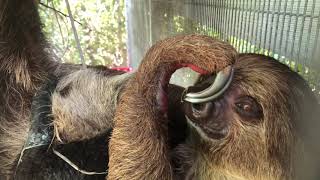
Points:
[(277, 148), (139, 147), (24, 67)]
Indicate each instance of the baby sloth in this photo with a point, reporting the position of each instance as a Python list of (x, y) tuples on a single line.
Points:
[(259, 120)]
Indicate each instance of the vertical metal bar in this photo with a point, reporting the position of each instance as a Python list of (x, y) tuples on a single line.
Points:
[(249, 26), (301, 32), (256, 29), (294, 35), (235, 23), (309, 32), (207, 5), (200, 11), (242, 24), (316, 38), (226, 19), (266, 28), (201, 15), (212, 19), (150, 23), (222, 18), (276, 29), (271, 27), (260, 36), (204, 7), (231, 20), (205, 15), (288, 30), (219, 19), (282, 30), (252, 20), (229, 17), (194, 21), (244, 19), (215, 16), (238, 27), (209, 15), (198, 17)]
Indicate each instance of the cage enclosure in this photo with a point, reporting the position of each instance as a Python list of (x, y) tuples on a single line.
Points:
[(287, 30)]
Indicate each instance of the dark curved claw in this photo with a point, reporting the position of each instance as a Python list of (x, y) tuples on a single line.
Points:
[(220, 84)]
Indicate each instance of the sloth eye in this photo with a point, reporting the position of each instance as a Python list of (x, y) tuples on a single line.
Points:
[(248, 108)]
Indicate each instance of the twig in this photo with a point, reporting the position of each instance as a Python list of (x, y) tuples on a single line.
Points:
[(84, 66), (61, 13)]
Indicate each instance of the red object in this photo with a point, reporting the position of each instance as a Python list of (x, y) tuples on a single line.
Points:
[(125, 69)]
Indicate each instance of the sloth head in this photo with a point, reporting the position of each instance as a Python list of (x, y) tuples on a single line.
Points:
[(259, 121)]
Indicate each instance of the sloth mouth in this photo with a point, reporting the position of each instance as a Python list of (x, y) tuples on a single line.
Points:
[(178, 122), (220, 84), (208, 133), (162, 95)]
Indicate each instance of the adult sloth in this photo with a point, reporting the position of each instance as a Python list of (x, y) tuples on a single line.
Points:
[(263, 125)]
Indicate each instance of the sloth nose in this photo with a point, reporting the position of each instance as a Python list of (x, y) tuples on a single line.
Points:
[(216, 109), (209, 118), (217, 126)]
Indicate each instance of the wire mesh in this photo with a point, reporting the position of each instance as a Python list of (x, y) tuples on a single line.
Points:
[(287, 30)]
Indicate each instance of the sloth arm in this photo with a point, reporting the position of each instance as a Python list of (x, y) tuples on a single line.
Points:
[(139, 146)]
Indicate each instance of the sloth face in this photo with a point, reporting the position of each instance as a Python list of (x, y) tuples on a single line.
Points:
[(213, 119), (262, 119)]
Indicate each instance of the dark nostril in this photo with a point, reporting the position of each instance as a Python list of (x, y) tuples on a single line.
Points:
[(201, 110), (198, 107)]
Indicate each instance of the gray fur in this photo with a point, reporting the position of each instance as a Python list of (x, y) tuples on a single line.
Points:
[(89, 104)]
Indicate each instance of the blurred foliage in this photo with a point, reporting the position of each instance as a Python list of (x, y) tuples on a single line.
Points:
[(101, 28)]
